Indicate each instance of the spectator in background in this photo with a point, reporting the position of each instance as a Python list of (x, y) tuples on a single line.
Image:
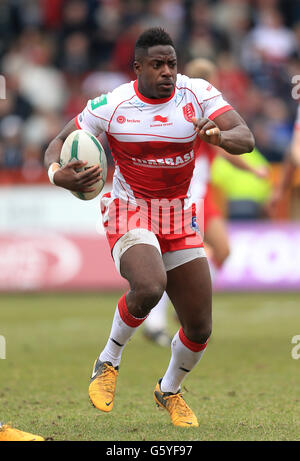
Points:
[(277, 125), (234, 82), (290, 163), (37, 131), (10, 145), (204, 38), (75, 18), (51, 13), (30, 63), (75, 99), (109, 19), (58, 45), (296, 30), (75, 57), (165, 13), (273, 128), (14, 103), (234, 17), (123, 57), (267, 47)]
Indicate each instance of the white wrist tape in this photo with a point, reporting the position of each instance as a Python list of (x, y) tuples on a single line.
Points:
[(52, 170)]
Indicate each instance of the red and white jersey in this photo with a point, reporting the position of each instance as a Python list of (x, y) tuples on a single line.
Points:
[(151, 140)]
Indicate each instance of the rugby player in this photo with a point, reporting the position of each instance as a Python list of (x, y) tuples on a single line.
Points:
[(151, 124)]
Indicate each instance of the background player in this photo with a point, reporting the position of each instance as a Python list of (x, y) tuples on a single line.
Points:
[(155, 161)]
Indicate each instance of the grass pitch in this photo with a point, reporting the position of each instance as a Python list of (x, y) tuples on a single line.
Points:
[(246, 386)]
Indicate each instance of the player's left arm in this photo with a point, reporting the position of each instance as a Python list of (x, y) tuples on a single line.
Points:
[(228, 131)]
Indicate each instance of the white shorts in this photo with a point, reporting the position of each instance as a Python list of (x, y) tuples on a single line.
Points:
[(171, 259)]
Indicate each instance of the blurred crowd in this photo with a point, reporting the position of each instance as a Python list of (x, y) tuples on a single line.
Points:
[(56, 54)]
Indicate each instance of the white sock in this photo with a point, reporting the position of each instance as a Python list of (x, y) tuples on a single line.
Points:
[(123, 327), (157, 319), (118, 338), (183, 360)]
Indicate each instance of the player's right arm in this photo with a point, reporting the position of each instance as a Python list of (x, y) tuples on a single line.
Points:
[(68, 177)]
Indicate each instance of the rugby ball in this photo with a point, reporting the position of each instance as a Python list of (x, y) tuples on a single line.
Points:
[(82, 145)]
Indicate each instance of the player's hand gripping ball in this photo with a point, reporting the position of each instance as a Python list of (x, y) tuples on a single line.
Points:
[(82, 146)]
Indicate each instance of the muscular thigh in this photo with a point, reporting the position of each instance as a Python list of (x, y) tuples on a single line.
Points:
[(142, 266), (189, 288), (142, 263)]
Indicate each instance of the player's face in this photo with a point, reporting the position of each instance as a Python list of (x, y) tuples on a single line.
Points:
[(157, 72)]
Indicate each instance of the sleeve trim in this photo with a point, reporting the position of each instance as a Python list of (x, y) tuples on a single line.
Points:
[(77, 123), (220, 111)]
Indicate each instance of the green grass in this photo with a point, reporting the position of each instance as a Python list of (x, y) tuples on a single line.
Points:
[(246, 386)]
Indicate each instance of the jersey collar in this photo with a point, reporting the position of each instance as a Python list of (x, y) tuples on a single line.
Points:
[(150, 100)]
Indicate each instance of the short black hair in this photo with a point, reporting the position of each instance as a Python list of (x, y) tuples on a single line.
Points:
[(151, 37)]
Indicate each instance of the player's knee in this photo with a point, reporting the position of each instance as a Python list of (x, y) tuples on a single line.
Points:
[(199, 333), (149, 293)]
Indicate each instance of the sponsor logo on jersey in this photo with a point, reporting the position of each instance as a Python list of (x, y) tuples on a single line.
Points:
[(159, 118), (160, 121), (99, 101), (121, 119), (189, 111), (175, 162)]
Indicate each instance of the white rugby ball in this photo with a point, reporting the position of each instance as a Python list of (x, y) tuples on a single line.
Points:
[(82, 145)]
